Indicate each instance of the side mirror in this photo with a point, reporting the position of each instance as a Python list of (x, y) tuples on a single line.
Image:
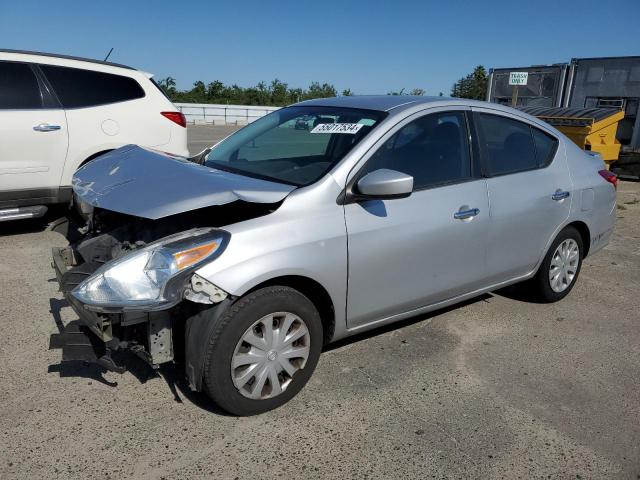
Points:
[(384, 184)]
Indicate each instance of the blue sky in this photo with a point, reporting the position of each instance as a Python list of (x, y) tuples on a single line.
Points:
[(368, 46)]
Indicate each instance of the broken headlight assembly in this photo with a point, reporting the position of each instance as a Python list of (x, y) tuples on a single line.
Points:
[(153, 277)]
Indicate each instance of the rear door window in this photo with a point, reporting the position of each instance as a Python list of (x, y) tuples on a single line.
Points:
[(77, 88), (19, 87), (507, 144)]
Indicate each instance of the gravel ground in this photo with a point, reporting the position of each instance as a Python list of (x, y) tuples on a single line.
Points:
[(495, 388)]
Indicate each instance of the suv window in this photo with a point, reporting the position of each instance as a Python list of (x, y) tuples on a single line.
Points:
[(77, 88), (433, 149), (508, 144), (18, 87)]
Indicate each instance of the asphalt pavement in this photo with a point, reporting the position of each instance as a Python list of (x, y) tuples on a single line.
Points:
[(200, 137), (495, 388)]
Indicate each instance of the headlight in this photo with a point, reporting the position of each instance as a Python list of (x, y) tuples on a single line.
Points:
[(153, 276)]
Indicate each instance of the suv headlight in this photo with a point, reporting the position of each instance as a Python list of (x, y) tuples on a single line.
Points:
[(152, 277)]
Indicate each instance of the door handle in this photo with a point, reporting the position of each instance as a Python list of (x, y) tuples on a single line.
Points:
[(560, 195), (464, 214), (45, 127)]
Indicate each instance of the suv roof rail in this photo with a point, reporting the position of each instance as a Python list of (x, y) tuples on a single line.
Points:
[(66, 57)]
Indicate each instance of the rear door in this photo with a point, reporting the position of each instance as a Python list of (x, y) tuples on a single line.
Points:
[(529, 191), (411, 252), (33, 135)]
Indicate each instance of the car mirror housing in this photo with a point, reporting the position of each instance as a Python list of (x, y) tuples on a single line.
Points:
[(384, 184)]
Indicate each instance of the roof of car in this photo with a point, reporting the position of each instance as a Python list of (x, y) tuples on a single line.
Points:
[(387, 103), (370, 102), (66, 57)]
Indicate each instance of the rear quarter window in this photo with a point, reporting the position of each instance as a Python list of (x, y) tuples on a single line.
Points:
[(77, 88), (546, 147)]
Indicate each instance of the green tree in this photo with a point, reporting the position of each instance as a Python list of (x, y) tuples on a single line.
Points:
[(417, 91), (276, 93), (168, 85), (279, 92), (316, 90), (295, 95), (347, 92), (215, 91), (472, 86)]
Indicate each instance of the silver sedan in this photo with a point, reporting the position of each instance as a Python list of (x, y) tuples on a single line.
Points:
[(242, 262)]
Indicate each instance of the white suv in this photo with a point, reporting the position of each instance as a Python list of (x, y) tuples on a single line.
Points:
[(59, 112)]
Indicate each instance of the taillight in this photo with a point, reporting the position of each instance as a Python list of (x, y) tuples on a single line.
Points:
[(176, 117), (609, 177)]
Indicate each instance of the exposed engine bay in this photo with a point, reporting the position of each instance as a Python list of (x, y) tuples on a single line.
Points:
[(108, 235)]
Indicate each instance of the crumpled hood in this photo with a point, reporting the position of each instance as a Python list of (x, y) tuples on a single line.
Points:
[(150, 184)]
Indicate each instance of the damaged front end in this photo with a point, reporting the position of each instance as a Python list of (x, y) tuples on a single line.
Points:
[(130, 270), (130, 294)]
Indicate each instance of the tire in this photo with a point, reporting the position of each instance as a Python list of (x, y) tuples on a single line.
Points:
[(542, 283), (247, 319)]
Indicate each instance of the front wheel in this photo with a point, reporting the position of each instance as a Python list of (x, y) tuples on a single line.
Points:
[(559, 270), (263, 351)]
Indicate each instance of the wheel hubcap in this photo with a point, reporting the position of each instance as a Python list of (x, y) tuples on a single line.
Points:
[(268, 355), (564, 265)]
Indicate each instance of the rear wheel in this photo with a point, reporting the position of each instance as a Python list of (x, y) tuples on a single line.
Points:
[(560, 268), (263, 351)]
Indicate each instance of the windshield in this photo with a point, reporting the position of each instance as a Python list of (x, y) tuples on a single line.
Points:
[(294, 145)]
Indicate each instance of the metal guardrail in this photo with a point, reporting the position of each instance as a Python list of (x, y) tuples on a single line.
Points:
[(214, 114)]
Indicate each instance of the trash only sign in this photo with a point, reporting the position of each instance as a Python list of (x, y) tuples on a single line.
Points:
[(518, 78)]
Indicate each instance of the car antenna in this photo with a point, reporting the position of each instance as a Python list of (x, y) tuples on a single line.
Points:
[(105, 58)]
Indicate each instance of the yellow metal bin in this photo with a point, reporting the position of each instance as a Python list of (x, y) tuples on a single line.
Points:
[(589, 128)]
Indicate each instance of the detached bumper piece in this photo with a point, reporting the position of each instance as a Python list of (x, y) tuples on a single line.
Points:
[(78, 344)]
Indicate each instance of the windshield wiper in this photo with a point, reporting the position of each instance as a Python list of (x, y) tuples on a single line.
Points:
[(200, 157)]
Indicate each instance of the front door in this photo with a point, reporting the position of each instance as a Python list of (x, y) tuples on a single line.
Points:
[(34, 135), (416, 251)]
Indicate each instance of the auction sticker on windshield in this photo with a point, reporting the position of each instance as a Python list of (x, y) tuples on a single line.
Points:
[(350, 128)]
